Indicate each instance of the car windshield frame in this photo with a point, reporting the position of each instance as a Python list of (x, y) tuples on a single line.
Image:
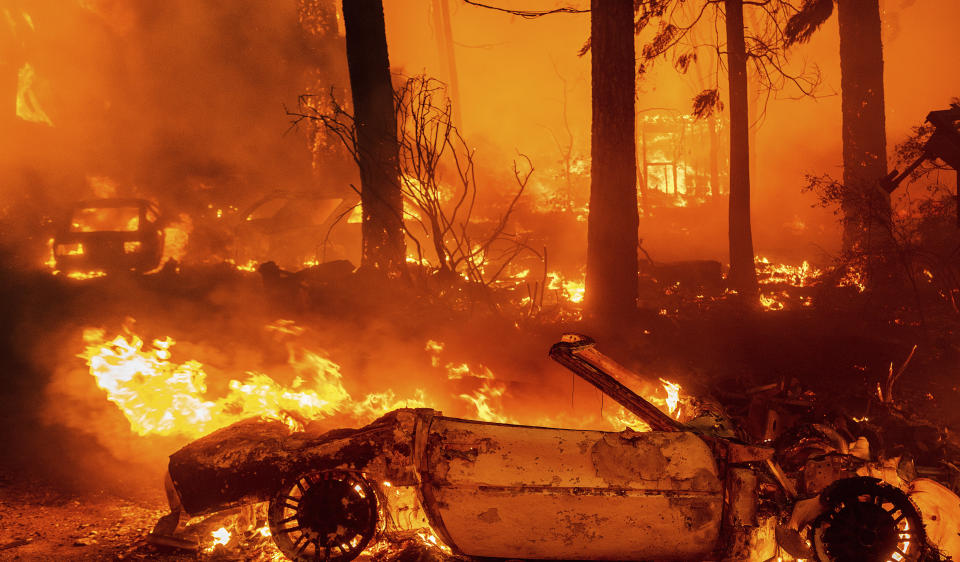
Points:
[(119, 218)]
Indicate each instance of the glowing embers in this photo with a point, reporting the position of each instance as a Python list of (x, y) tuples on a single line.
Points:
[(854, 277), (782, 286), (28, 107), (241, 532), (802, 275)]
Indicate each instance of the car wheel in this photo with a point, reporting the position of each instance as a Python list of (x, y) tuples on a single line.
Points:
[(868, 521), (324, 515)]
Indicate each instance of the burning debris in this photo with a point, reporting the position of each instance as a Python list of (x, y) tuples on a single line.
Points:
[(451, 485)]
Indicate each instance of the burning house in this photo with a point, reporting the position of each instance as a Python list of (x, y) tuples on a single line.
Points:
[(454, 280)]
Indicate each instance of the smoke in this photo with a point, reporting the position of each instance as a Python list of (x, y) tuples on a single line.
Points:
[(177, 101)]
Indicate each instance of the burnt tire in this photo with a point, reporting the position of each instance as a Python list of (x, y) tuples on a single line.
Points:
[(324, 515), (868, 521)]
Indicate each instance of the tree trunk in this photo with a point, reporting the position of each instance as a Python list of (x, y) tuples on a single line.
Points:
[(445, 46), (743, 276), (376, 129), (714, 157), (612, 239), (866, 208)]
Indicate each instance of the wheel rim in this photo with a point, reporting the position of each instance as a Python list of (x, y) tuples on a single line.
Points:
[(328, 515), (868, 521)]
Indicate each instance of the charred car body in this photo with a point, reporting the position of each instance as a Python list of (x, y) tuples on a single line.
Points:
[(110, 235), (678, 492)]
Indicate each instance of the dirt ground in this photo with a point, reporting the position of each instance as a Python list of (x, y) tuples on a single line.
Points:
[(40, 522)]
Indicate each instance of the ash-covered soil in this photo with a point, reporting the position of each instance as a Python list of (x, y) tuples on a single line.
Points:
[(41, 521)]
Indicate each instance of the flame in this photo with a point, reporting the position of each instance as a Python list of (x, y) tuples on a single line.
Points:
[(481, 400), (28, 108), (772, 302), (176, 235), (220, 536), (571, 290), (51, 261), (84, 275), (163, 397), (284, 326), (486, 399), (250, 266), (434, 348), (673, 396), (672, 402)]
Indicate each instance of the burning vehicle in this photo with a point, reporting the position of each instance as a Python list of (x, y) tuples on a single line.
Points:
[(682, 491), (110, 235)]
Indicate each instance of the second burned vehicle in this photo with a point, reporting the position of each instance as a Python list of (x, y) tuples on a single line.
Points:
[(679, 492), (110, 235)]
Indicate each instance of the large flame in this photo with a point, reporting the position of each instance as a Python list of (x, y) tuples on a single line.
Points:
[(162, 396)]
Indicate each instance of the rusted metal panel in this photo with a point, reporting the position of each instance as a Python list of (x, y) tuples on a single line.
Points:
[(528, 492), (742, 484)]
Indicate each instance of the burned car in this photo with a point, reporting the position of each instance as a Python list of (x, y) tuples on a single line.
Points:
[(678, 492), (110, 235), (286, 228)]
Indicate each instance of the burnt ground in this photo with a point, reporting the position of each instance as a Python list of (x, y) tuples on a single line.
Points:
[(67, 494), (40, 521)]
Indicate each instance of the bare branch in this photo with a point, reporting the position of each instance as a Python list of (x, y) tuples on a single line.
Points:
[(529, 14)]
